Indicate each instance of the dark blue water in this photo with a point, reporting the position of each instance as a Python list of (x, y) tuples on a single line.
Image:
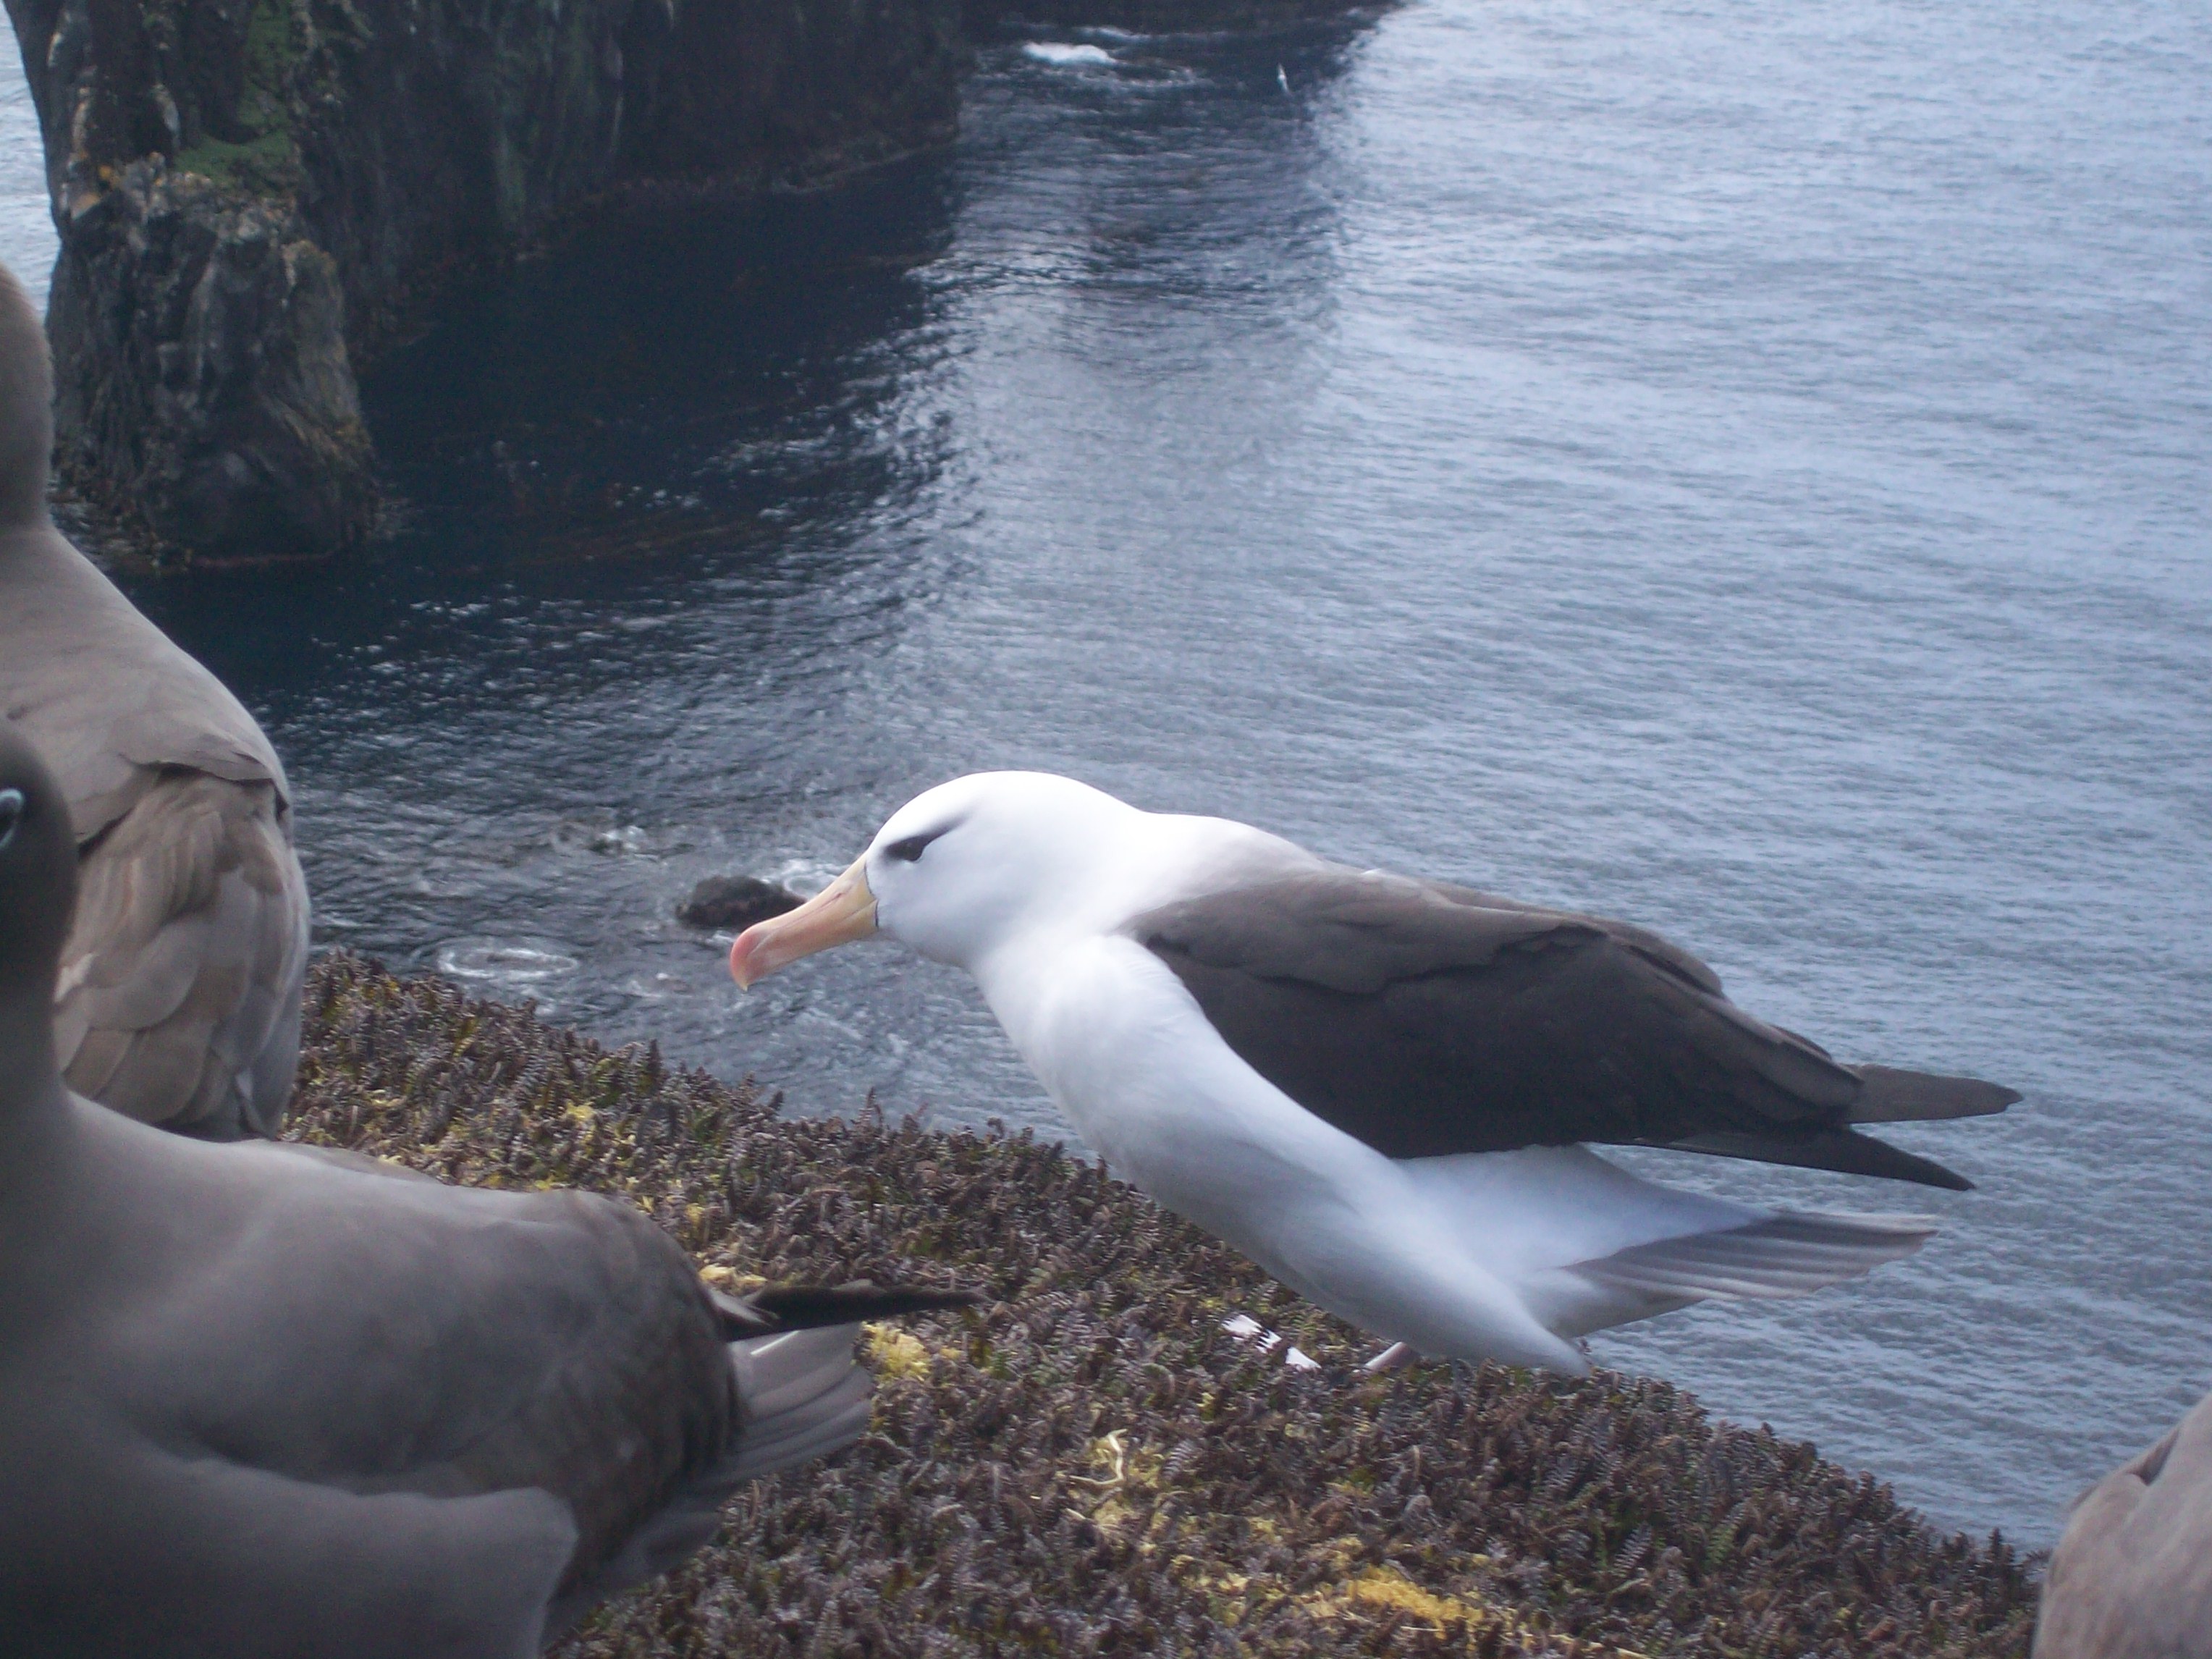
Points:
[(1744, 469)]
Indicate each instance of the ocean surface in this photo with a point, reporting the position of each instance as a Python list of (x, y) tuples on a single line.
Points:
[(1745, 469)]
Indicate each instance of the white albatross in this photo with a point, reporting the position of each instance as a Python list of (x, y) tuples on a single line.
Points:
[(1374, 1086)]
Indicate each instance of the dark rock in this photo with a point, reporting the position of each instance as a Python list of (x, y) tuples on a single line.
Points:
[(203, 395), (254, 195), (735, 901)]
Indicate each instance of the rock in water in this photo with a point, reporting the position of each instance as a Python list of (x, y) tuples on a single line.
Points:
[(735, 901)]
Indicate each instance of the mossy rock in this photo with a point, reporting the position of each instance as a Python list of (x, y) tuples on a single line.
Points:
[(263, 160), (1091, 1465)]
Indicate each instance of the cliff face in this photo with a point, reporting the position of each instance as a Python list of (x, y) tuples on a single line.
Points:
[(251, 193)]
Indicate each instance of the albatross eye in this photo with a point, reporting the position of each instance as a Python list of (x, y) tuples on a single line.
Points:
[(908, 850), (11, 814)]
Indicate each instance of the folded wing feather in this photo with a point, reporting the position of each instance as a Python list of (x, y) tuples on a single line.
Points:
[(1427, 1020)]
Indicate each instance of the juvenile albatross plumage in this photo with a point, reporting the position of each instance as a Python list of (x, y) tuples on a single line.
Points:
[(266, 1401), (179, 1002), (1376, 1087), (2132, 1577)]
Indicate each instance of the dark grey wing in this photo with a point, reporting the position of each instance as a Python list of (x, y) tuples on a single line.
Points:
[(178, 1002), (451, 1342), (1427, 1020), (636, 1402), (217, 1557), (801, 1397)]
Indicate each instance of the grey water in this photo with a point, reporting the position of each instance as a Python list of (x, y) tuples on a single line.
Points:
[(1747, 469)]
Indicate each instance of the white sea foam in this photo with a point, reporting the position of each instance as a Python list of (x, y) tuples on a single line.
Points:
[(1063, 56), (504, 962)]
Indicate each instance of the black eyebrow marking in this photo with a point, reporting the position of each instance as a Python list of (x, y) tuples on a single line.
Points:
[(909, 850)]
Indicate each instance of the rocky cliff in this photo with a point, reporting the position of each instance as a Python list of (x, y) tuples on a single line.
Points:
[(252, 194)]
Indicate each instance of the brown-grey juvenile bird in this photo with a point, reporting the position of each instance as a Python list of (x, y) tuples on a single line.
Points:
[(262, 1401), (179, 1002), (2132, 1577)]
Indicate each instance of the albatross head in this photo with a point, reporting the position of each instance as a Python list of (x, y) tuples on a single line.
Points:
[(957, 870)]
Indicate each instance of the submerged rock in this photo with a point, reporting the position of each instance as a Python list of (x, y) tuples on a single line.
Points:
[(1094, 1465), (735, 901)]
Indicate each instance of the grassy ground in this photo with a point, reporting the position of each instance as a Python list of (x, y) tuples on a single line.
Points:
[(1092, 1465)]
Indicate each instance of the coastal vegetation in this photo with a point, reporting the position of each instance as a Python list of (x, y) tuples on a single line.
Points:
[(1091, 1464)]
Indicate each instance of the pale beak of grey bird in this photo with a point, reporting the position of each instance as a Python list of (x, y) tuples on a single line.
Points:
[(843, 911)]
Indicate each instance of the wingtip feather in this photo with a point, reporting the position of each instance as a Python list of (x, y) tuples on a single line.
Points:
[(1783, 1255), (809, 1307), (1890, 1095)]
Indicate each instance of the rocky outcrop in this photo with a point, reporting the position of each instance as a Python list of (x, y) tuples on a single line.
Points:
[(204, 392), (253, 195)]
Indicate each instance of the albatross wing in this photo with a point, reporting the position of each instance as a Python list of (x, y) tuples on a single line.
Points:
[(1427, 1020), (178, 1002)]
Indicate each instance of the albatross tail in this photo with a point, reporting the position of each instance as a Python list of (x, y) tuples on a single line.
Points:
[(804, 1397), (1587, 1245), (1774, 1256)]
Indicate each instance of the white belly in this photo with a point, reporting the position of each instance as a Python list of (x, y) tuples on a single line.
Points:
[(1129, 1057)]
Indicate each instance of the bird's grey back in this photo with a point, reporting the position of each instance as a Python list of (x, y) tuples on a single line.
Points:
[(180, 984), (325, 1382)]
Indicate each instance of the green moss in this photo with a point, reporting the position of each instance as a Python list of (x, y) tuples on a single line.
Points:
[(1090, 1466), (272, 47), (262, 164), (267, 162)]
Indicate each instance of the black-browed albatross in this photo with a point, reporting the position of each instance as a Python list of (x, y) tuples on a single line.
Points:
[(1378, 1087), (179, 1002), (265, 1401)]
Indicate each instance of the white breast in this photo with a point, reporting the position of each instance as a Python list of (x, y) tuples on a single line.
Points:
[(1130, 1058), (1127, 1055)]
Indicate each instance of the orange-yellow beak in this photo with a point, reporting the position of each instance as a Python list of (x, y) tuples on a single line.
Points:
[(843, 911)]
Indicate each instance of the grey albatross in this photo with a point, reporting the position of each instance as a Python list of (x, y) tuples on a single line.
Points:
[(265, 1401), (1380, 1089), (2132, 1577), (179, 1002)]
